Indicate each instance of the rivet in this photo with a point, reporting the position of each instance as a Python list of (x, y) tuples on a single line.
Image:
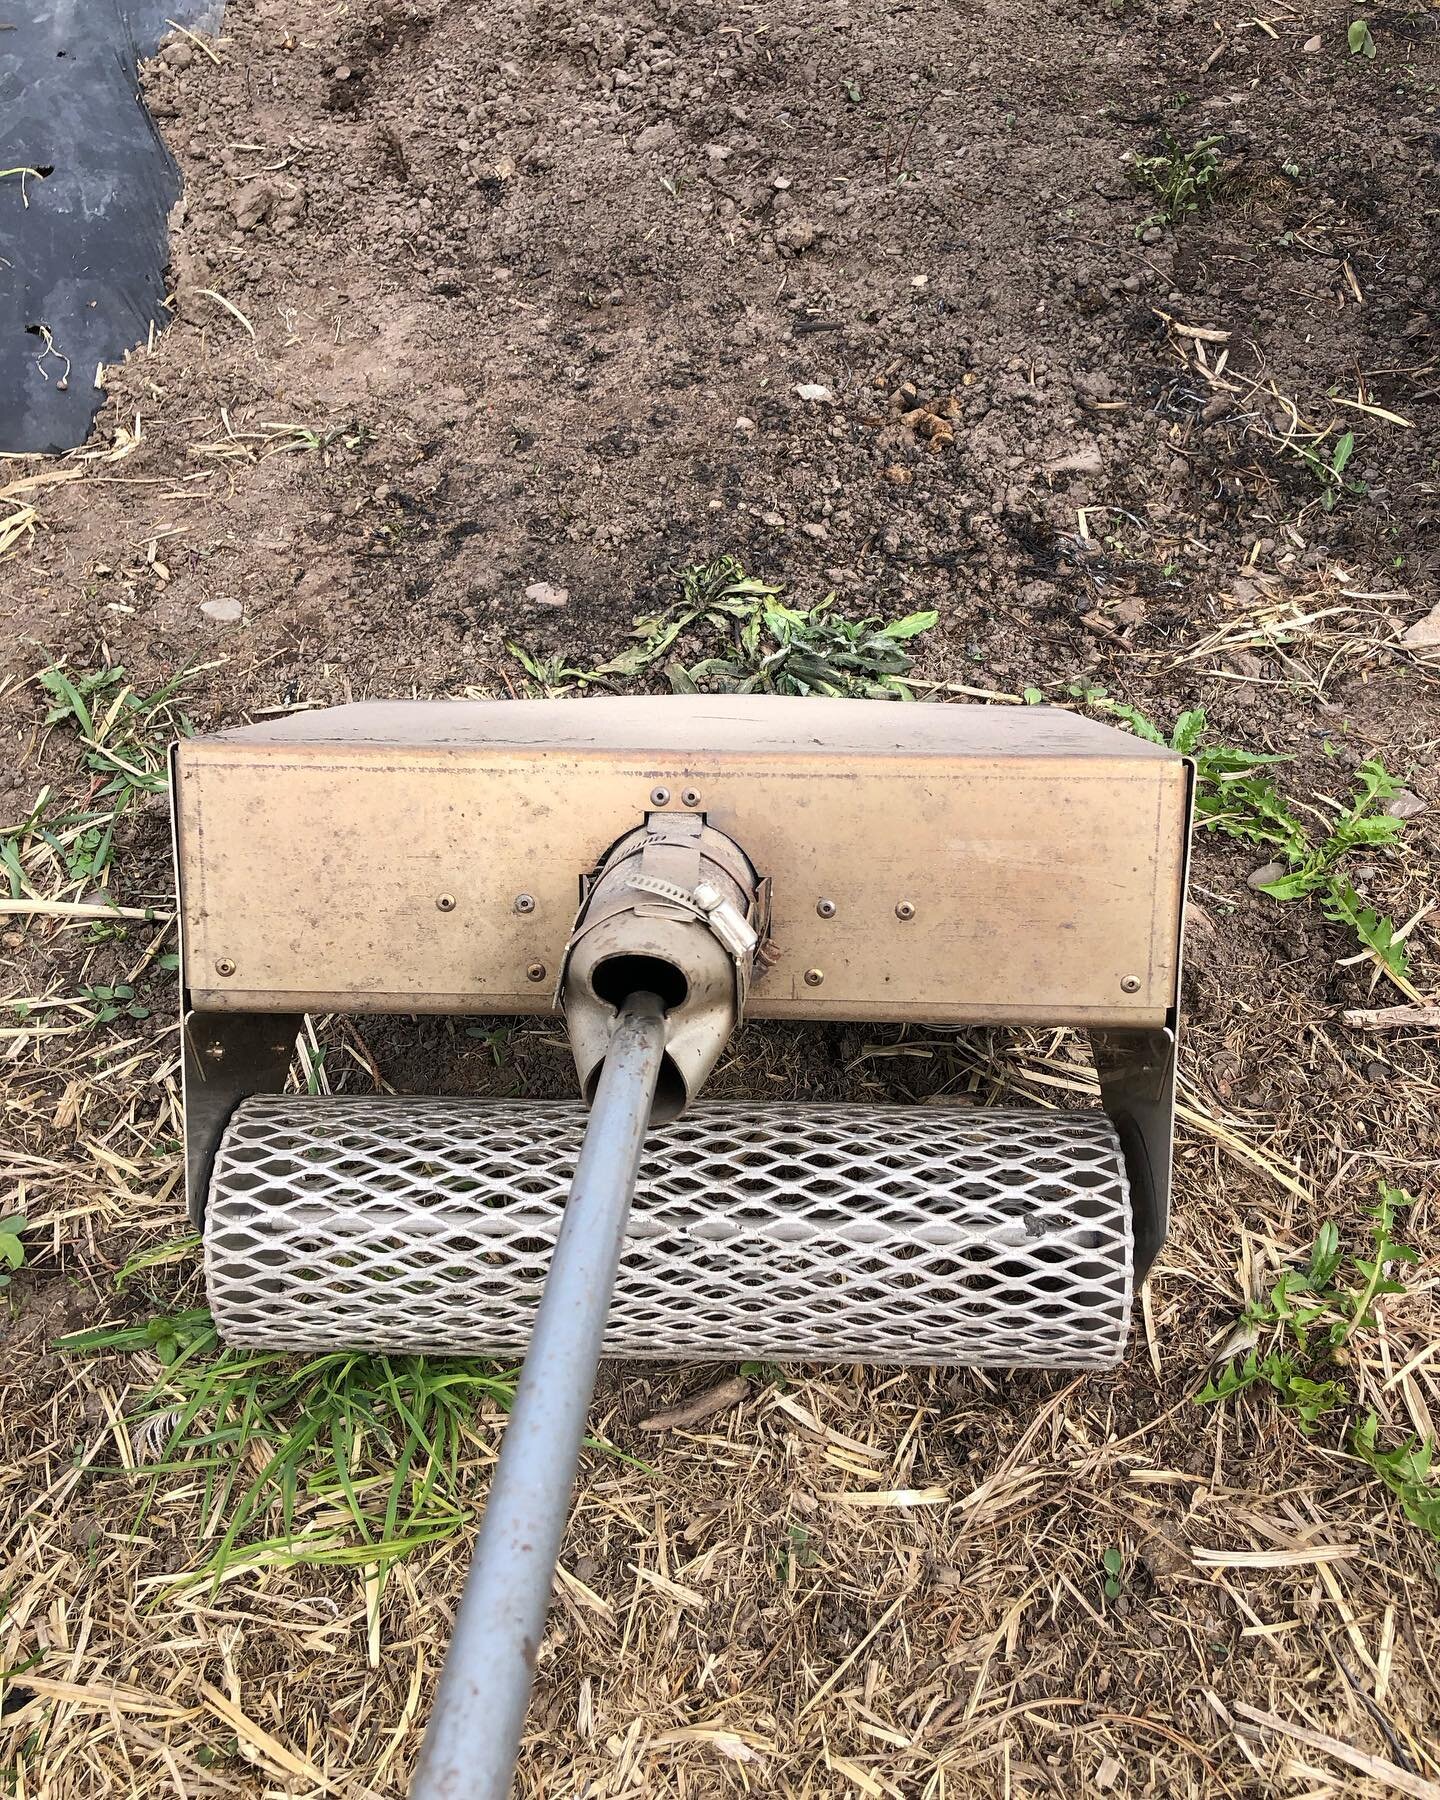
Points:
[(446, 902), (825, 908), (525, 903), (905, 909), (536, 972), (660, 796), (224, 966), (813, 977), (691, 797), (1130, 983)]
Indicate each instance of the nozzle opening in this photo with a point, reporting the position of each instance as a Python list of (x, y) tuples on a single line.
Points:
[(618, 977)]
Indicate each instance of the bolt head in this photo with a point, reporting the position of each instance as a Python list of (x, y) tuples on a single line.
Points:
[(905, 909), (524, 903), (224, 966), (536, 972), (691, 797), (813, 977), (1130, 983), (446, 902), (825, 908), (660, 796)]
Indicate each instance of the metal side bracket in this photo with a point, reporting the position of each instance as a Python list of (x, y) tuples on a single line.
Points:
[(1137, 1090), (226, 1057)]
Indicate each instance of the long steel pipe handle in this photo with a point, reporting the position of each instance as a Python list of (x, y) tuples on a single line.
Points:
[(474, 1734)]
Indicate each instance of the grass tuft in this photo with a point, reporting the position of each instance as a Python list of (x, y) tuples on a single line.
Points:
[(342, 1458)]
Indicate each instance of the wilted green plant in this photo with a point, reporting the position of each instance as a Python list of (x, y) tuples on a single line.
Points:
[(1182, 180)]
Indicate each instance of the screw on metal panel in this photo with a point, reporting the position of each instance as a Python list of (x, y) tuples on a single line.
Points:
[(525, 903), (691, 797), (536, 972), (224, 966), (905, 909), (446, 902), (1130, 983), (215, 1052), (813, 977), (825, 908), (659, 796)]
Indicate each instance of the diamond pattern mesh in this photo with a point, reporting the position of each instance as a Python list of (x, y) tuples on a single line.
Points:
[(858, 1233)]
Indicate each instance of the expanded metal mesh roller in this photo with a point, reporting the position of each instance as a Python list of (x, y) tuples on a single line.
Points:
[(928, 1235)]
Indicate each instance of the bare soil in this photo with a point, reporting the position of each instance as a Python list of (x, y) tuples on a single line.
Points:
[(475, 298)]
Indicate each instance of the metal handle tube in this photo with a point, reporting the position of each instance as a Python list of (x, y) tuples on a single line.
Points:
[(474, 1733)]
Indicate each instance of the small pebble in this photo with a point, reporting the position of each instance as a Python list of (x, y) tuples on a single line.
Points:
[(1405, 805), (541, 593), (1265, 874)]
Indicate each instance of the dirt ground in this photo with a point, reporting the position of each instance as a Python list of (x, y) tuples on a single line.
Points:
[(479, 303)]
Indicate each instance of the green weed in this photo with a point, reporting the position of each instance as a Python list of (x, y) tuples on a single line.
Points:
[(1235, 797), (12, 1246), (1360, 41), (1302, 1329), (765, 647), (126, 737), (768, 647), (342, 1458), (796, 1552), (768, 1374), (1330, 476), (1182, 180), (1112, 1565), (113, 1002)]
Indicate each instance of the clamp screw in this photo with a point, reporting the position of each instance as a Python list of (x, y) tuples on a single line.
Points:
[(536, 972), (224, 966), (660, 796), (1130, 983), (825, 908), (813, 977), (905, 909), (446, 902), (524, 903)]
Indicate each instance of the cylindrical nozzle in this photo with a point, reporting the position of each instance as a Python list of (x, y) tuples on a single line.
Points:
[(674, 908), (474, 1734)]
